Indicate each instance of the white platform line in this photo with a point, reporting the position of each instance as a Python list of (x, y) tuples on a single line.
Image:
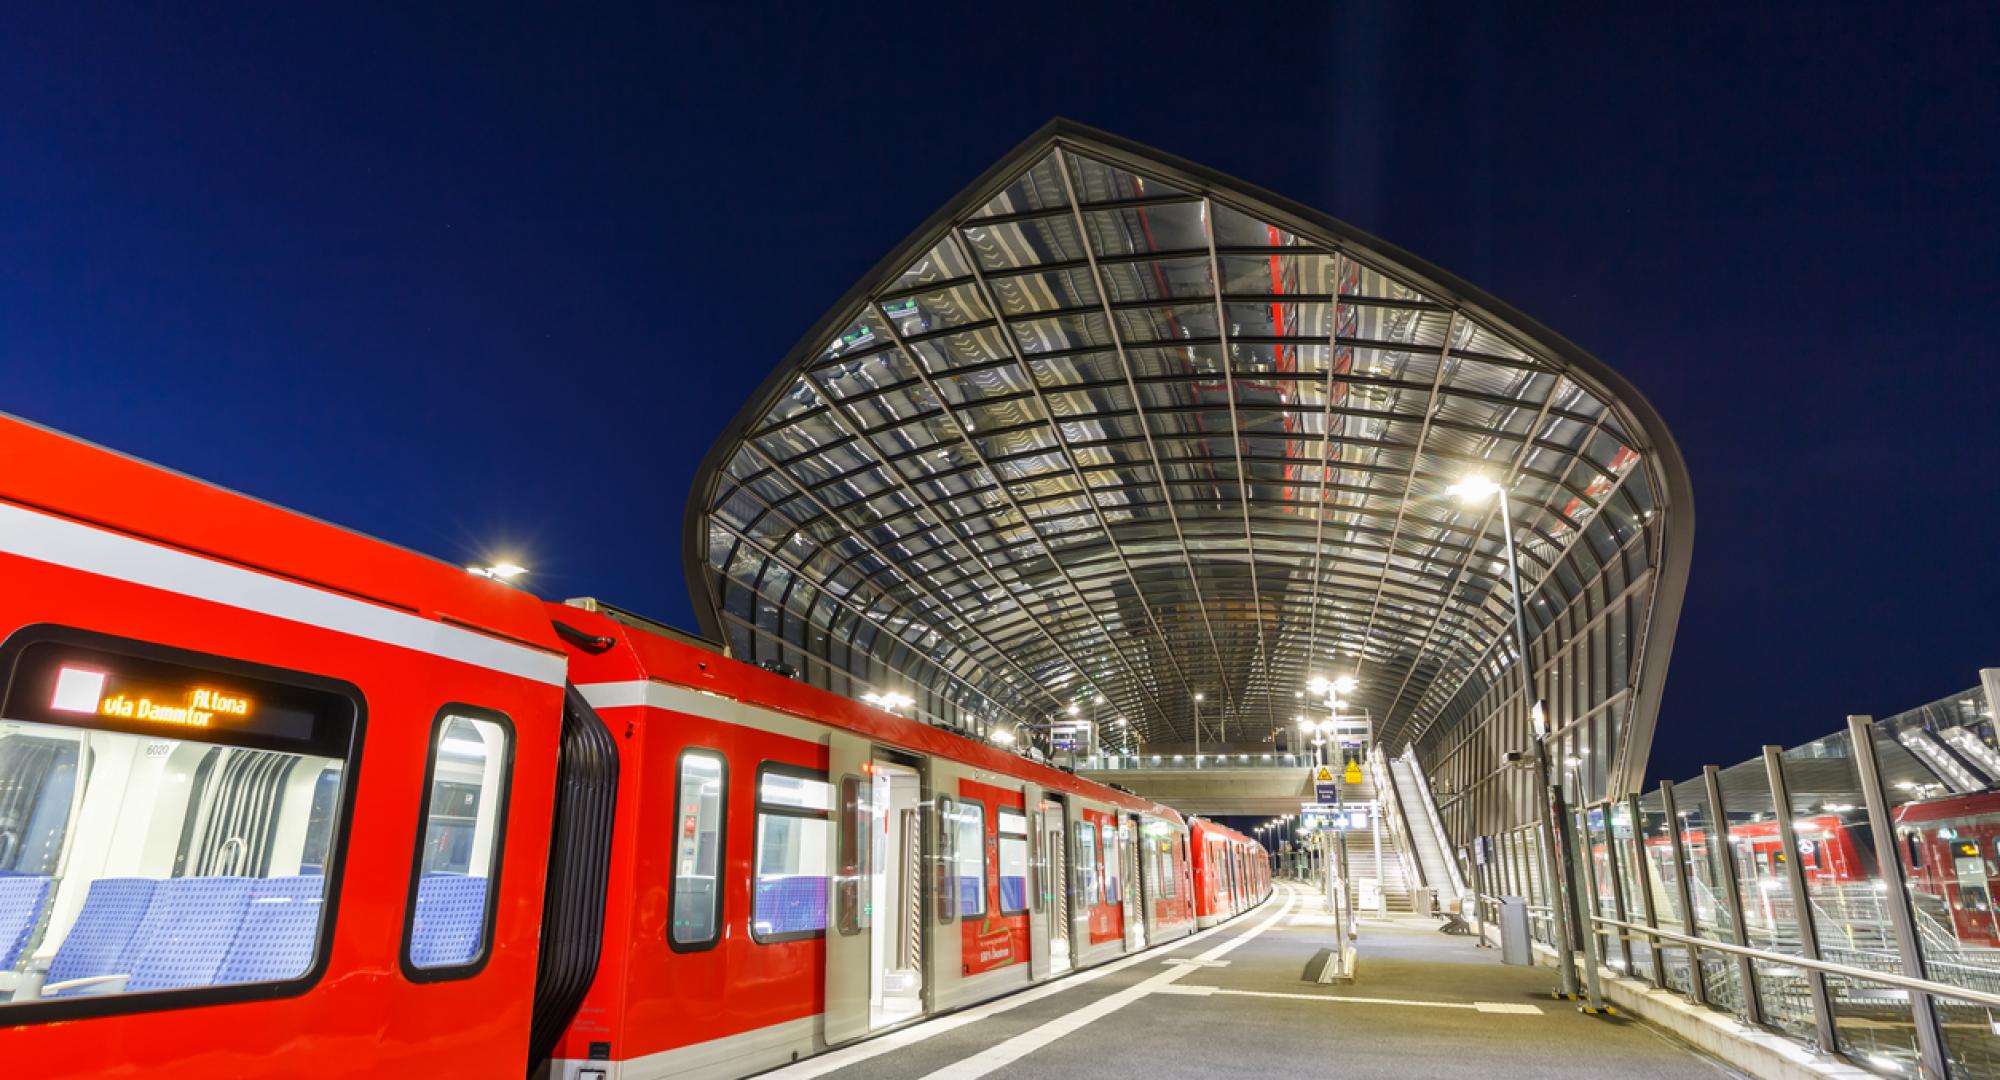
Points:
[(1020, 1046), (833, 1060), (1477, 1006)]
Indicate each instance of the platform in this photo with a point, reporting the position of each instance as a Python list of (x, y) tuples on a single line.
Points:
[(1231, 1002)]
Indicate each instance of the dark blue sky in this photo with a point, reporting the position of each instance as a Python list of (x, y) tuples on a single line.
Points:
[(477, 281)]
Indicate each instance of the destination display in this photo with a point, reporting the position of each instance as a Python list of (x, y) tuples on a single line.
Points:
[(72, 685)]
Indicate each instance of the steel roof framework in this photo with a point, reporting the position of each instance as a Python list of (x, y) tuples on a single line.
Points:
[(1113, 423)]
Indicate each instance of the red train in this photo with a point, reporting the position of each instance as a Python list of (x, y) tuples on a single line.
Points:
[(1949, 847), (280, 800)]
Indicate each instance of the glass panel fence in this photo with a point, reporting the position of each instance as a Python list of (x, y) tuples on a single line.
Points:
[(1770, 917), (1705, 882), (1940, 768), (1631, 884), (1849, 903), (1665, 889)]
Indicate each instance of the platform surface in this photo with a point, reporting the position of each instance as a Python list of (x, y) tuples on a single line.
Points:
[(1233, 1002)]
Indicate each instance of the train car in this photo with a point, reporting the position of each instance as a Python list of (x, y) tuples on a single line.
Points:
[(792, 870), (275, 798), (1951, 851), (1231, 872), (278, 800), (1949, 848)]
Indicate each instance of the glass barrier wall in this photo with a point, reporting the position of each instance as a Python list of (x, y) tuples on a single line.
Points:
[(1794, 857)]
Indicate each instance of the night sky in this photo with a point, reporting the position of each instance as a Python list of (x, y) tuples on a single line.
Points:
[(488, 284)]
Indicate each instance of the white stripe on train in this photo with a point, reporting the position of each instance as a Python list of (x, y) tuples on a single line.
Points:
[(61, 542)]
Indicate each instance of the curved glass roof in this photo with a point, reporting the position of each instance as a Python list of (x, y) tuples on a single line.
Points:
[(1110, 423)]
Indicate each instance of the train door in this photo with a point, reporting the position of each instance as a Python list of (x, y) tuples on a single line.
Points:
[(1055, 888), (1038, 877), (1135, 878), (1086, 875), (875, 954), (1973, 906)]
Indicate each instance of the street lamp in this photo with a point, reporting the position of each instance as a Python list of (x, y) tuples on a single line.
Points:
[(500, 571), (1473, 491), (1197, 728)]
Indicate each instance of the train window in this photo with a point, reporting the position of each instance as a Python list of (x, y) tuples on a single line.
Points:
[(970, 850), (1111, 865), (793, 808), (947, 861), (1169, 876), (1086, 861), (694, 914), (1013, 862), (169, 825), (449, 925)]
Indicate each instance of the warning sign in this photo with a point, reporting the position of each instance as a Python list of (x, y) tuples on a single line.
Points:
[(1324, 775), (1353, 773)]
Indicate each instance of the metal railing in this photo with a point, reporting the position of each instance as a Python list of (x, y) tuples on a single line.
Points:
[(1129, 762), (1857, 926)]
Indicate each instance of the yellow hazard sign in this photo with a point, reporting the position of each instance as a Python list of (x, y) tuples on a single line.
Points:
[(1323, 776), (1353, 774)]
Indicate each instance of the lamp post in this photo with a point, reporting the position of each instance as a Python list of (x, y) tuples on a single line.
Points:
[(1197, 729), (1472, 491)]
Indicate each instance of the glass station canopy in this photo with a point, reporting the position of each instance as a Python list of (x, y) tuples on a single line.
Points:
[(1113, 424)]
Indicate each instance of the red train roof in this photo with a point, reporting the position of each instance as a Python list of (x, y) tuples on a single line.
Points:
[(641, 653), (1204, 825), (91, 484)]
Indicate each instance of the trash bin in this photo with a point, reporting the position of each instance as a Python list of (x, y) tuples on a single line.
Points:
[(1516, 947), (1425, 901)]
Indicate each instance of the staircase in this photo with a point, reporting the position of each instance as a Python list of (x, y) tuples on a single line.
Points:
[(1361, 855)]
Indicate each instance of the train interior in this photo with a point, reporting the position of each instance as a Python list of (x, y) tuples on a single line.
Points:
[(895, 895), (1136, 896), (131, 863), (141, 862), (1058, 899)]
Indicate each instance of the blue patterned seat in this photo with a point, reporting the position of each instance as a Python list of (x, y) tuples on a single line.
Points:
[(969, 897), (97, 941), (21, 899), (186, 931), (790, 904), (1013, 892), (450, 920), (280, 929)]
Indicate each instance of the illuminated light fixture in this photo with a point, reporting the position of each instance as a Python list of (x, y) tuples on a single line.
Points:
[(1072, 710), (1345, 684), (1003, 736), (1473, 490), (890, 701), (1098, 700), (1199, 696), (504, 571)]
